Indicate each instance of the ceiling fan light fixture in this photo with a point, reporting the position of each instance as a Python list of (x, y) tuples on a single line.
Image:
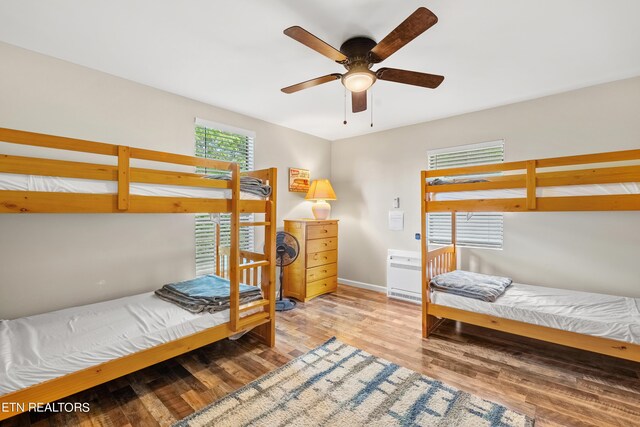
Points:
[(358, 80)]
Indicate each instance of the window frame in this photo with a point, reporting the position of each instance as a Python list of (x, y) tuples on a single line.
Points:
[(205, 226), (461, 217)]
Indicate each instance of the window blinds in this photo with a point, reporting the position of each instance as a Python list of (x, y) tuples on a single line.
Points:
[(477, 229), (220, 145), (470, 155), (212, 142)]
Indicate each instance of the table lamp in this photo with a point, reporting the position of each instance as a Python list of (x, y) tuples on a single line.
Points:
[(321, 191)]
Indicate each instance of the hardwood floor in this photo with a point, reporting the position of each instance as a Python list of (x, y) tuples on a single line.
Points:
[(554, 384)]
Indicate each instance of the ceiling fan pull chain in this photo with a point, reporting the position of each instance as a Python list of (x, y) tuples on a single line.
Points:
[(371, 102), (345, 107)]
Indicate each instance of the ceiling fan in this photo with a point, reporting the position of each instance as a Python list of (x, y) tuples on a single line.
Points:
[(359, 54)]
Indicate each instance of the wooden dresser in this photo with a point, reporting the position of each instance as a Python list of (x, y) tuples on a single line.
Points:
[(315, 272)]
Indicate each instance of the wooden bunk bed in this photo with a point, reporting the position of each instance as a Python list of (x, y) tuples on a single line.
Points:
[(527, 181), (248, 267)]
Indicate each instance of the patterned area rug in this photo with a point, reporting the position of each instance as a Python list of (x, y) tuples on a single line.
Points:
[(340, 385)]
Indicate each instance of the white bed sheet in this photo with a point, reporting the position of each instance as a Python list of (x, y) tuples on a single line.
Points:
[(46, 346), (562, 191), (18, 182), (587, 313)]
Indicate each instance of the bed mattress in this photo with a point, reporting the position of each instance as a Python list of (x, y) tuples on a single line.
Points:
[(562, 191), (18, 182), (39, 348), (587, 313)]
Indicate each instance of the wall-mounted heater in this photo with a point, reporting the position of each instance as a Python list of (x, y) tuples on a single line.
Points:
[(404, 272)]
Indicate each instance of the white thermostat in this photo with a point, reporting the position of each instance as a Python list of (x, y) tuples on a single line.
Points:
[(396, 220)]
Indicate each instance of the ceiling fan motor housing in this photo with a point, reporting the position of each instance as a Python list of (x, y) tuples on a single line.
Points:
[(358, 77), (357, 50)]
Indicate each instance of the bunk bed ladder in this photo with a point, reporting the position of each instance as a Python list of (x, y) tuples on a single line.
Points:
[(245, 266), (266, 330), (433, 263)]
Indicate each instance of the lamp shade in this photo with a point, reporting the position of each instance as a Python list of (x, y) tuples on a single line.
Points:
[(321, 190)]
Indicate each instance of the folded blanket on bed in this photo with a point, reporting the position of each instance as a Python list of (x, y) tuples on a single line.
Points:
[(471, 285), (247, 183), (444, 181), (208, 293)]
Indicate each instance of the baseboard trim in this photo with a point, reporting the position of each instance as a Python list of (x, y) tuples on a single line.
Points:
[(356, 284)]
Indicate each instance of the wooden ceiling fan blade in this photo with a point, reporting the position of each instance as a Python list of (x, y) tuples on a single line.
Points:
[(306, 38), (311, 83), (414, 78), (417, 23), (358, 101)]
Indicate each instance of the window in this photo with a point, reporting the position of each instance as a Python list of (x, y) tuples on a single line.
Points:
[(219, 142), (477, 229)]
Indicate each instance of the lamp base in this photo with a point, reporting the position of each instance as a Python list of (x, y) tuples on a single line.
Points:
[(285, 304), (321, 209)]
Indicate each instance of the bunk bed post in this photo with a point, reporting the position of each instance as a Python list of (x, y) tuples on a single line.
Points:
[(426, 321), (266, 332), (218, 256), (453, 263), (234, 251)]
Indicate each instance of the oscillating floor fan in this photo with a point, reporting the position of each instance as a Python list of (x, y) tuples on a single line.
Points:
[(287, 249)]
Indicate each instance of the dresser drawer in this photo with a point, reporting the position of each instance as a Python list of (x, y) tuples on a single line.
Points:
[(321, 231), (318, 287), (320, 245), (318, 273), (321, 258)]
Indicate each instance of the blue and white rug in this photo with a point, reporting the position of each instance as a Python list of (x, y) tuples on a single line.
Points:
[(340, 385)]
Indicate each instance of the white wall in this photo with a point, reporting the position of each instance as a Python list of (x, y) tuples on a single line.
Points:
[(592, 251), (54, 261)]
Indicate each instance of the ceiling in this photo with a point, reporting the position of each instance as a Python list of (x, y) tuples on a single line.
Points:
[(233, 54)]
